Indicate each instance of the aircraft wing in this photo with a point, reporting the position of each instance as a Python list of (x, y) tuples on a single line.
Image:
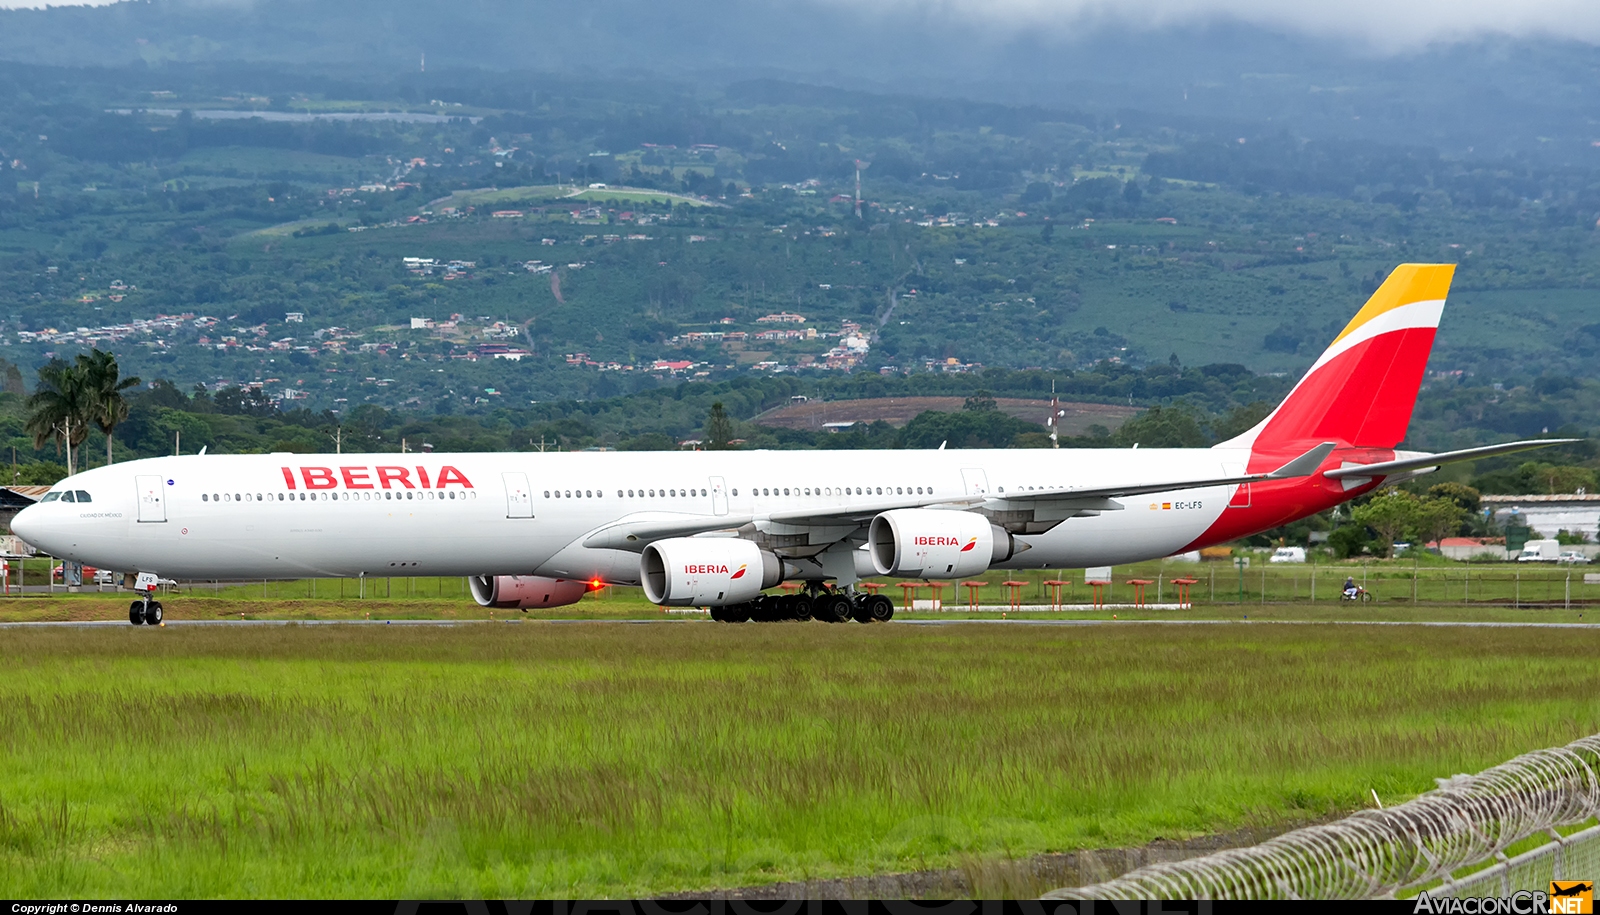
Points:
[(1303, 466), (1389, 468), (635, 533)]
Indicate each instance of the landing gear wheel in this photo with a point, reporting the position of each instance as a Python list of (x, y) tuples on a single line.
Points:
[(736, 613), (835, 608), (136, 613), (152, 613), (880, 609), (801, 606), (716, 615)]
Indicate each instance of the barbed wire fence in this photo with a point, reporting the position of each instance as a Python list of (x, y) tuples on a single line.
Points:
[(1467, 820)]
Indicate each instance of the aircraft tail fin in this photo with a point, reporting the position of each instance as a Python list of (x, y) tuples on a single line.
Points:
[(1361, 390)]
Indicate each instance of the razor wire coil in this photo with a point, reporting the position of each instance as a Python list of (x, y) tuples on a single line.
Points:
[(1466, 820)]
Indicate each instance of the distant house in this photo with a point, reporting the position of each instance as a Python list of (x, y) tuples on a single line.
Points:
[(1463, 548), (782, 317), (421, 323), (294, 317)]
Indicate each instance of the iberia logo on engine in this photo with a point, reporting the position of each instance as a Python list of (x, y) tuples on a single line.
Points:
[(944, 541), (738, 574), (711, 569)]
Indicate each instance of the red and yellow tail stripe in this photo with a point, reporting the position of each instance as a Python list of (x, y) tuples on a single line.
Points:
[(1361, 390)]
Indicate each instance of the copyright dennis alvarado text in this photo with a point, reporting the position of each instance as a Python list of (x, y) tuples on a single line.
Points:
[(85, 908)]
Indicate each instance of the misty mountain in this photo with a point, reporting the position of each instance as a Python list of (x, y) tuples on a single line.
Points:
[(1485, 97)]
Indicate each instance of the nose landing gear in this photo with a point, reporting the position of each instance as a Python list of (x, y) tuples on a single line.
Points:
[(145, 611)]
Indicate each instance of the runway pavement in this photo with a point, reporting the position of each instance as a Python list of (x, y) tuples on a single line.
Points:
[(1462, 624)]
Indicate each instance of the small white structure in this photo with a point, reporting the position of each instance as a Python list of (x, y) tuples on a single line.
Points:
[(294, 317)]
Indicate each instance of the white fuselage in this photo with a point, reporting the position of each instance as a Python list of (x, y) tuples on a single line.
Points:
[(292, 516)]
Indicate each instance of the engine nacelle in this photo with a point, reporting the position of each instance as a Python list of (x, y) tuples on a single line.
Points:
[(929, 543), (706, 571), (524, 591)]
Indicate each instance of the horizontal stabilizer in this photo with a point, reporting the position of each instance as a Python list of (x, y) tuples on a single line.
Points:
[(1389, 468)]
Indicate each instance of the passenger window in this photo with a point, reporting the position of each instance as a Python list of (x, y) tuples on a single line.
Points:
[(204, 497)]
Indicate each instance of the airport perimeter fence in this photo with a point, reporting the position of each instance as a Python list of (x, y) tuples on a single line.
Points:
[(1467, 822)]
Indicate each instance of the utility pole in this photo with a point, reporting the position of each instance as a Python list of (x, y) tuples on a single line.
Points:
[(860, 167)]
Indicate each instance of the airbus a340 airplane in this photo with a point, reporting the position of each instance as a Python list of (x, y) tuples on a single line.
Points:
[(714, 529)]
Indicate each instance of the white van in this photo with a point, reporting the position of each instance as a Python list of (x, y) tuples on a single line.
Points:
[(1288, 554), (1540, 551)]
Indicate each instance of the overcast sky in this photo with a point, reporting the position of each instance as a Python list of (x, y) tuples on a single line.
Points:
[(1380, 24)]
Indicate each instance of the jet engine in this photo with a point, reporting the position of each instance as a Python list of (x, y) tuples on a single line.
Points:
[(706, 571), (524, 591), (930, 543)]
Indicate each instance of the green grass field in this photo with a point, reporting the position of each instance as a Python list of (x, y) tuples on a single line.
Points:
[(539, 759)]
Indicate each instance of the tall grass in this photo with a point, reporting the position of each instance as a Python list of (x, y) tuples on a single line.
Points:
[(539, 759)]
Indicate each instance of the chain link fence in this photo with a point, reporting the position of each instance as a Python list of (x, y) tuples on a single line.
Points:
[(1574, 857), (1466, 821)]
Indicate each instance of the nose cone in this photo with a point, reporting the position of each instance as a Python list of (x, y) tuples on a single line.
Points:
[(29, 524)]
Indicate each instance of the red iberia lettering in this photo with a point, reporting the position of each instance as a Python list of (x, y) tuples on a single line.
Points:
[(318, 477), (422, 474), (448, 475), (935, 541), (355, 477), (288, 477), (401, 475), (705, 570)]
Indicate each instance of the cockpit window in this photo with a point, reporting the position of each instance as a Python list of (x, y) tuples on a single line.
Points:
[(50, 497), (67, 496), (83, 496)]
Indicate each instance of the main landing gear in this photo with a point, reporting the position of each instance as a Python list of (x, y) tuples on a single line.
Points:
[(145, 611), (818, 601)]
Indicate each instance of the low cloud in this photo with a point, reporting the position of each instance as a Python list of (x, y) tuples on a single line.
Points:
[(1384, 25)]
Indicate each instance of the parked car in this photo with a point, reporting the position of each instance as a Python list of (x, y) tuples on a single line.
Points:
[(104, 576), (1573, 557), (1288, 554)]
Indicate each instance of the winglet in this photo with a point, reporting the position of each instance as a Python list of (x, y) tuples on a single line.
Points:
[(1305, 465)]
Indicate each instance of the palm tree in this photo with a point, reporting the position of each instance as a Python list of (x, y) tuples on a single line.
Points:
[(58, 411), (105, 384)]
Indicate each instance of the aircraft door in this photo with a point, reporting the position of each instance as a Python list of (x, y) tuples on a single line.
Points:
[(719, 496), (152, 498), (519, 497), (977, 482)]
